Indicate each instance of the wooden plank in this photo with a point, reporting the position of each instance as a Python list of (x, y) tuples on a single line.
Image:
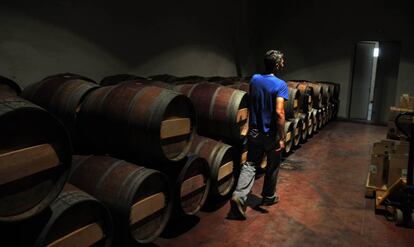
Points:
[(242, 114), (175, 127), (288, 136), (27, 161), (82, 237), (225, 170), (147, 207), (295, 103), (192, 184)]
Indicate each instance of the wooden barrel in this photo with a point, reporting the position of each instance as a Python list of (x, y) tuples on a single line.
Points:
[(144, 123), (221, 159), (243, 86), (289, 136), (77, 219), (305, 126), (306, 93), (138, 198), (292, 105), (324, 116), (222, 112), (326, 93), (61, 95), (297, 130), (317, 94), (191, 79), (320, 118), (8, 87), (311, 123), (163, 77), (35, 153), (190, 180), (115, 79), (316, 120)]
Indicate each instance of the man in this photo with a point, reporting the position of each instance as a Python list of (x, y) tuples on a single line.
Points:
[(266, 133)]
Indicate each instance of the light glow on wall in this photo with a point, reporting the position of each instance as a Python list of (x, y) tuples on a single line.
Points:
[(376, 52)]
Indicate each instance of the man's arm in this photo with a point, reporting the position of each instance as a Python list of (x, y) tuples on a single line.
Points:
[(280, 112)]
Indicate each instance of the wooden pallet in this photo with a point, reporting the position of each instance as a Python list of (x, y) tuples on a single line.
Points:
[(370, 191)]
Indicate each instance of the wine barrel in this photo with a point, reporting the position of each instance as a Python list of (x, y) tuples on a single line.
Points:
[(8, 87), (316, 120), (326, 93), (305, 126), (222, 112), (320, 118), (297, 130), (35, 158), (324, 116), (144, 123), (317, 94), (306, 93), (311, 123), (77, 219), (292, 105), (115, 79), (61, 95), (243, 86), (221, 159), (163, 78), (289, 133), (190, 179), (138, 198)]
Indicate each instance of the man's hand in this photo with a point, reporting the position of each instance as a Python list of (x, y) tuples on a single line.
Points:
[(281, 146)]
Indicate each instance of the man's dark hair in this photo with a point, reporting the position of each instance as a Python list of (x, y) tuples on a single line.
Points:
[(272, 58)]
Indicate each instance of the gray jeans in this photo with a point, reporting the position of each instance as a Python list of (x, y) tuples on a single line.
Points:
[(259, 144)]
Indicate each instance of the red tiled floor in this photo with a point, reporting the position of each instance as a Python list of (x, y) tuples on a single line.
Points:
[(322, 202)]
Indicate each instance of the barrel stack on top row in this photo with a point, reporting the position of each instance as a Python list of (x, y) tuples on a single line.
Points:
[(177, 143)]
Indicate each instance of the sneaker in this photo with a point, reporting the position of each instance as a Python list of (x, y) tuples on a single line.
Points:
[(238, 207), (270, 201)]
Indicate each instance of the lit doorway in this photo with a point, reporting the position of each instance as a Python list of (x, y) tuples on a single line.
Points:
[(374, 79)]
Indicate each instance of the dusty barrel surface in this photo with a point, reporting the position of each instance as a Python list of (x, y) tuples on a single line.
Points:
[(306, 94), (221, 160), (77, 219), (292, 105), (144, 123), (138, 198), (8, 87), (305, 126), (289, 136), (35, 158), (222, 112), (190, 180)]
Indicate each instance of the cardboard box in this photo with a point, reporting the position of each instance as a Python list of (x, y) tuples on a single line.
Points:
[(407, 101), (377, 170), (401, 147), (383, 147), (397, 167)]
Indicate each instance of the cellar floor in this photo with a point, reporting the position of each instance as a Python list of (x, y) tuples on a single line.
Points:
[(321, 201)]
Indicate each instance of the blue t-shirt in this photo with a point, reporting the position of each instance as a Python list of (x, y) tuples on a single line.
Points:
[(264, 89)]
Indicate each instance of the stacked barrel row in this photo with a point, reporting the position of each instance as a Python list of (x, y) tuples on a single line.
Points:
[(147, 125)]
